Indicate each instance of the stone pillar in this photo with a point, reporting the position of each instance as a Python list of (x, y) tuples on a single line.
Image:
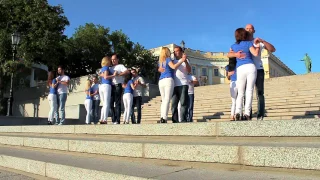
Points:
[(199, 74), (32, 82), (210, 76), (222, 75)]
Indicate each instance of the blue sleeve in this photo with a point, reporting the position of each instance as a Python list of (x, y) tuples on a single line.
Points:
[(168, 60), (103, 69), (232, 47), (250, 44), (227, 68), (54, 81)]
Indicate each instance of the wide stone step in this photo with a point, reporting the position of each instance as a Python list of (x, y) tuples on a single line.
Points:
[(224, 108), (297, 127), (270, 89), (280, 104), (73, 166), (284, 153), (292, 97)]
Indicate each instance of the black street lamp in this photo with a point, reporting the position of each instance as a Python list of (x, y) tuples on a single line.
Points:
[(183, 45), (15, 42)]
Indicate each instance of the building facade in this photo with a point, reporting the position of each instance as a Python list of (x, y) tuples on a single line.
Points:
[(209, 67)]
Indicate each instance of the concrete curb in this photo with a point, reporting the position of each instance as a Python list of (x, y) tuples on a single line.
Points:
[(265, 156), (274, 128), (58, 171)]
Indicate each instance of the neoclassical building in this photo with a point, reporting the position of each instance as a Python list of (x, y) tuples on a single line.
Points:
[(209, 67)]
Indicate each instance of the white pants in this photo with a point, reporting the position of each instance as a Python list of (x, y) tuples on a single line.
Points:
[(166, 87), (233, 93), (246, 78), (179, 115), (127, 103), (105, 97), (88, 106), (53, 102)]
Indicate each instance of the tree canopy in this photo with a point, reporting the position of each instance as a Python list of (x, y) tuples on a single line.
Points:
[(90, 43), (41, 26)]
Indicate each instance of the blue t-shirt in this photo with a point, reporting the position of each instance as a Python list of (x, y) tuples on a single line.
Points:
[(233, 77), (243, 46), (128, 88), (95, 88), (90, 92), (53, 90), (103, 80), (168, 72)]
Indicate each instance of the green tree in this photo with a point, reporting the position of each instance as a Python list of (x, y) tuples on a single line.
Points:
[(133, 54), (41, 26), (85, 49), (90, 43)]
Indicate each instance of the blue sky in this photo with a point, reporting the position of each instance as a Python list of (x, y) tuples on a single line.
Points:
[(207, 25)]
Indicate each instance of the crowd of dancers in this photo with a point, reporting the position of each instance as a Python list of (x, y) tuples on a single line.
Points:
[(176, 84)]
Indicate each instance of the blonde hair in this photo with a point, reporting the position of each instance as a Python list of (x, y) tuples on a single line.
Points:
[(106, 61), (88, 85), (164, 54)]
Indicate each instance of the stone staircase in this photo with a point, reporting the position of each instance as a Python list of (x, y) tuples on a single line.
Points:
[(214, 150), (290, 97), (217, 149)]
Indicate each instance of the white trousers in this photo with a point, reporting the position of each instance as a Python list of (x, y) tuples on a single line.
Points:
[(127, 103), (53, 102), (246, 78), (88, 106), (166, 87), (105, 97), (179, 115), (233, 93)]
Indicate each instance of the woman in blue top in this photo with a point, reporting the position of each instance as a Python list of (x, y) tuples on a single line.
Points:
[(246, 72), (128, 86), (105, 88), (166, 83), (232, 76), (88, 101), (52, 98)]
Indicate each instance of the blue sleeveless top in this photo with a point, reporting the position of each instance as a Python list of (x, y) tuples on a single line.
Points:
[(103, 80), (243, 46), (53, 90), (90, 91), (234, 76), (168, 72), (128, 88)]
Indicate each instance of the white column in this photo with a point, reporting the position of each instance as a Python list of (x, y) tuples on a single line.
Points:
[(32, 82), (210, 75), (222, 73), (199, 74)]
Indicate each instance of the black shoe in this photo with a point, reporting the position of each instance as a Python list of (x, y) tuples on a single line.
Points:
[(49, 123), (163, 121), (247, 118), (260, 118), (238, 117)]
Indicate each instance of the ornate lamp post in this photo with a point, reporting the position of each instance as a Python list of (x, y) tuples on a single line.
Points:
[(15, 42), (183, 45)]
